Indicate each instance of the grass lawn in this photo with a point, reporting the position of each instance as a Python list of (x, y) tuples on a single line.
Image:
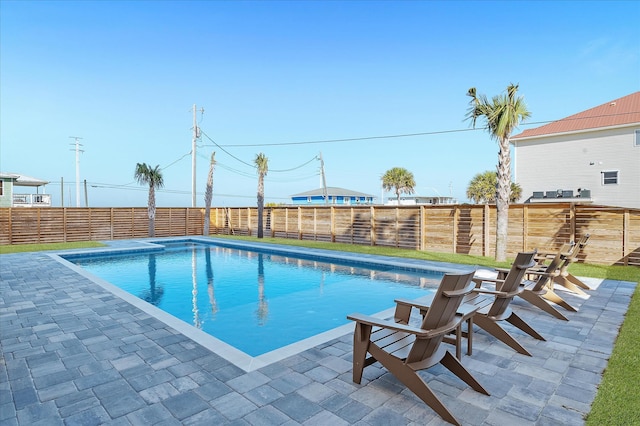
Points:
[(618, 398), (21, 248)]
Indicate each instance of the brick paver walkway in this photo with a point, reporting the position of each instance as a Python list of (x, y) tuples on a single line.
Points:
[(75, 354)]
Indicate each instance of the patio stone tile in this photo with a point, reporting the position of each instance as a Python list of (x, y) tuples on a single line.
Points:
[(268, 416), (184, 405), (234, 406), (297, 407)]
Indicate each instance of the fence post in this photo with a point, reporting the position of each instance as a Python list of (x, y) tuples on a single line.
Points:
[(525, 227), (422, 223), (351, 221), (332, 224), (315, 224), (572, 221), (38, 222), (372, 225), (485, 230), (626, 250), (456, 223), (299, 223), (11, 227)]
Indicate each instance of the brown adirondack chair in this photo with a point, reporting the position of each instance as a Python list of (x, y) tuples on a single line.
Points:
[(539, 292), (404, 349), (570, 253), (494, 305), (538, 289)]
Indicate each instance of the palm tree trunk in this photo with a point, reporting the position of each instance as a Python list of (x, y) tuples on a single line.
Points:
[(502, 200), (260, 205), (151, 210)]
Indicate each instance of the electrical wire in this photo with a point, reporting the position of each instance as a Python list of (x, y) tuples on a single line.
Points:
[(253, 165), (406, 135)]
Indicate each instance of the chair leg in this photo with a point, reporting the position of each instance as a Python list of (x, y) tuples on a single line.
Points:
[(518, 322), (410, 378), (361, 340), (492, 327), (456, 367), (564, 282), (577, 282), (538, 301), (553, 297)]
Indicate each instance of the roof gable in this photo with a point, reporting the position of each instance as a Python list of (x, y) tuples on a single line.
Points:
[(619, 112)]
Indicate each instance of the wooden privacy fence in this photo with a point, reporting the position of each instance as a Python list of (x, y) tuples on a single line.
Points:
[(465, 229)]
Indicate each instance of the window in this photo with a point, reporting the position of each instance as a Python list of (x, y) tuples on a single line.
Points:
[(1, 188), (610, 177), (636, 142)]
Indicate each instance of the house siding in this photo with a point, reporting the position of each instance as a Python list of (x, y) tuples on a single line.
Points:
[(6, 199), (577, 160)]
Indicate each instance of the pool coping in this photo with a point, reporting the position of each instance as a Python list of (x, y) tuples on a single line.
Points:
[(240, 359)]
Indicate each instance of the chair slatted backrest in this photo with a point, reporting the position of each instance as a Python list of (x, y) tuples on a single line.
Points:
[(577, 249), (551, 271), (511, 284), (442, 312)]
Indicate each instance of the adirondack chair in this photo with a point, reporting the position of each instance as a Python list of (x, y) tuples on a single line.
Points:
[(564, 277), (404, 349), (540, 292), (494, 305), (538, 289)]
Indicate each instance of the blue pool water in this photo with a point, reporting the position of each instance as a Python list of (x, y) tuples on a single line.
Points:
[(255, 301)]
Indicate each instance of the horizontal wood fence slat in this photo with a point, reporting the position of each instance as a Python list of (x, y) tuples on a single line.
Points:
[(465, 229)]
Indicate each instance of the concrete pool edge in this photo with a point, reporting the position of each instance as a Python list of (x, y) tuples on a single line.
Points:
[(240, 359)]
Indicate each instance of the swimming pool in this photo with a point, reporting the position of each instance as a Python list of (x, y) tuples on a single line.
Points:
[(256, 300)]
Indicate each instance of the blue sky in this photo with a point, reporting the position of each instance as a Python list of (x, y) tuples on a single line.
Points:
[(279, 78)]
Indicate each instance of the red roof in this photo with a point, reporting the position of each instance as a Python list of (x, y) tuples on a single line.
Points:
[(619, 112)]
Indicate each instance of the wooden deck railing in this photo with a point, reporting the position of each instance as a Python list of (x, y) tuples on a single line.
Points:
[(468, 229)]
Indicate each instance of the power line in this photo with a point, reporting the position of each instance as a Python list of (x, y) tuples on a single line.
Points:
[(253, 165), (407, 135)]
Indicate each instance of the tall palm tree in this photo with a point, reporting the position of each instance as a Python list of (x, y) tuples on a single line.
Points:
[(262, 167), (208, 195), (399, 180), (503, 113), (145, 175)]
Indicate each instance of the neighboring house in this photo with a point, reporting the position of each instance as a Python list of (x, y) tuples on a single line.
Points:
[(414, 200), (334, 196), (9, 197), (592, 156)]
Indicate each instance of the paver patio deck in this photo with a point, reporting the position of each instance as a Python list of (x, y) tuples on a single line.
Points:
[(75, 354)]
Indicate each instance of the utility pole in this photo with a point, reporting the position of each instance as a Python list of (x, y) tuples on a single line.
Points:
[(78, 151), (324, 181), (196, 135)]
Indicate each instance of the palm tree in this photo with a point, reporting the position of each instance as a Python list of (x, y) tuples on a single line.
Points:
[(399, 180), (502, 114), (208, 195), (482, 188), (145, 175), (262, 167)]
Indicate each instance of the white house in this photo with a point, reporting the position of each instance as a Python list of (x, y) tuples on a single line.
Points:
[(9, 198), (592, 156)]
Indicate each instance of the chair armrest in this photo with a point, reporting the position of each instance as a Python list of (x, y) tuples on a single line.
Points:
[(422, 305), (493, 292), (480, 280), (391, 325)]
